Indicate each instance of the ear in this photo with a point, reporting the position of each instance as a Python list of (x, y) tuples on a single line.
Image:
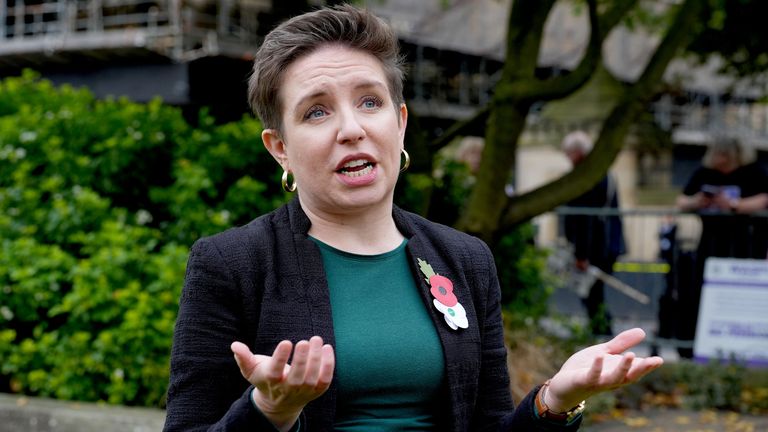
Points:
[(402, 120), (275, 146)]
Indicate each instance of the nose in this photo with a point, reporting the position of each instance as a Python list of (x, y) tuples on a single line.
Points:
[(350, 129)]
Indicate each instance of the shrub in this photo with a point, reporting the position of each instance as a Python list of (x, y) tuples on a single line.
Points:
[(99, 202), (525, 288), (717, 385)]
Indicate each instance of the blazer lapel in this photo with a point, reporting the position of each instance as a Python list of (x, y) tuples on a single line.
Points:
[(314, 286), (460, 347)]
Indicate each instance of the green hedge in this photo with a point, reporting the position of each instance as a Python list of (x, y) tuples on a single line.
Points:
[(99, 203)]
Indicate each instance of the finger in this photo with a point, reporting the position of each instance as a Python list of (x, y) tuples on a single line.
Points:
[(315, 359), (275, 368), (593, 376), (625, 340), (326, 369), (618, 375), (641, 367), (298, 364)]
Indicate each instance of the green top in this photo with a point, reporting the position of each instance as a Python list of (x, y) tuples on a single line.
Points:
[(389, 360)]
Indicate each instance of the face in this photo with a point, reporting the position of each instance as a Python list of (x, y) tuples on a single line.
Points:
[(342, 135), (575, 155), (472, 156), (723, 162)]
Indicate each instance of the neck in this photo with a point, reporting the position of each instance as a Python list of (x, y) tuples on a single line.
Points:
[(366, 232)]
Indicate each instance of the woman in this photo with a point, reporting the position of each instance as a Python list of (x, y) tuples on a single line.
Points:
[(724, 191), (396, 320)]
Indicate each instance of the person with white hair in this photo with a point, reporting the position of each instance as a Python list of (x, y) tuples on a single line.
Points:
[(597, 240), (577, 145)]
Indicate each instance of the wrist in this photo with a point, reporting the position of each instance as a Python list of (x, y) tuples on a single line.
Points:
[(549, 408), (283, 420)]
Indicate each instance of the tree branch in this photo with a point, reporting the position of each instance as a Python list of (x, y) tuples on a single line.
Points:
[(525, 27), (559, 87), (614, 130), (460, 128)]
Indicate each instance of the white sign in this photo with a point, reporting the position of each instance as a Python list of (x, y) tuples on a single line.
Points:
[(733, 313)]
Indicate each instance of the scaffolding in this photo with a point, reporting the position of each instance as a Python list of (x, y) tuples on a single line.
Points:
[(177, 29)]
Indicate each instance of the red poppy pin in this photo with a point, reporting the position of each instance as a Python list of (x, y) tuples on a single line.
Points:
[(445, 300)]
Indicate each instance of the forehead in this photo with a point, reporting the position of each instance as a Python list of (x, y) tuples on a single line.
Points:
[(330, 67)]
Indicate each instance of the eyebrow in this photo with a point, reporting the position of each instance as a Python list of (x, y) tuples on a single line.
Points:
[(365, 84)]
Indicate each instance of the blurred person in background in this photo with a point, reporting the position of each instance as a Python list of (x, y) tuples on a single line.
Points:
[(597, 240), (724, 191), (340, 311)]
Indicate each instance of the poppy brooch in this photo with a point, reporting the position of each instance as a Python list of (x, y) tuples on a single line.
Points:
[(445, 300)]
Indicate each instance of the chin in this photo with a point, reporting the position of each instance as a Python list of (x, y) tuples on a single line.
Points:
[(362, 199)]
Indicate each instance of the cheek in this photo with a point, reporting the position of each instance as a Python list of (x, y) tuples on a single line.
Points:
[(303, 161), (309, 160), (397, 158)]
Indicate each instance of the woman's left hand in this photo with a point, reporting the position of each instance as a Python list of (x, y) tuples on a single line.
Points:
[(597, 369)]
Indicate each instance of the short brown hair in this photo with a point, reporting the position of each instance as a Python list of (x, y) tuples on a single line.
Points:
[(345, 25)]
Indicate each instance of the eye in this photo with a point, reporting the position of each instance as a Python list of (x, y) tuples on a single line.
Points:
[(315, 112), (371, 103)]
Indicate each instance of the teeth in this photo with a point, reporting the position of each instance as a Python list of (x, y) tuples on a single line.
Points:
[(355, 163), (365, 171)]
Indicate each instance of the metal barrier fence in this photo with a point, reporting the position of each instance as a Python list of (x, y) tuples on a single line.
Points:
[(661, 243)]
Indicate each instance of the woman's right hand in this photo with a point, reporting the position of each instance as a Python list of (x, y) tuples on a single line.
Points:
[(282, 390)]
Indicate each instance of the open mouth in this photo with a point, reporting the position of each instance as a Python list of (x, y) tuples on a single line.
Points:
[(356, 168)]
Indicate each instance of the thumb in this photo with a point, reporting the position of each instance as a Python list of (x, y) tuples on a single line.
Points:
[(246, 360), (625, 340)]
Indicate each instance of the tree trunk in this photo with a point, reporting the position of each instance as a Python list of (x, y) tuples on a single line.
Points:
[(488, 199), (506, 119)]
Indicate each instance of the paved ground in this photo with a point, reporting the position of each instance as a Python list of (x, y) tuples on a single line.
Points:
[(682, 421), (27, 414), (18, 413)]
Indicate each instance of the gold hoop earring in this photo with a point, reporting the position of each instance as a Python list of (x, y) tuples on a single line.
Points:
[(407, 160), (284, 181)]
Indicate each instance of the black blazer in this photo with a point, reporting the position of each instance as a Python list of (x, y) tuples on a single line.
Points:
[(265, 282)]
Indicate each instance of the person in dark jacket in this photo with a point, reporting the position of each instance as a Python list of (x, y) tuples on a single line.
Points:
[(342, 311), (598, 240), (724, 191)]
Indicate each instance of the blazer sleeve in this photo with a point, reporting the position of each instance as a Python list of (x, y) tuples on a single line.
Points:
[(207, 391), (494, 399), (524, 418)]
